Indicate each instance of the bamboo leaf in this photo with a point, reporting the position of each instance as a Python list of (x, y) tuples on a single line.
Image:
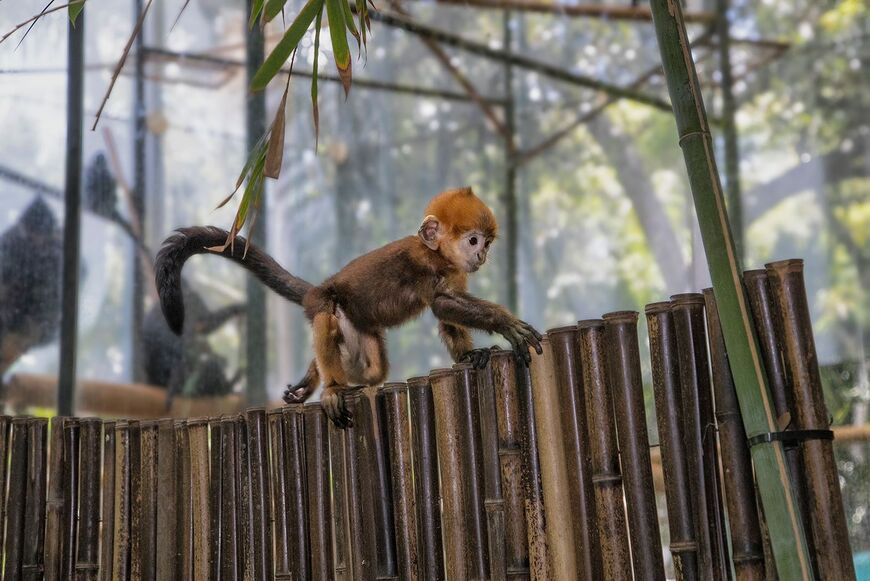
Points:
[(256, 9), (338, 34), (275, 151), (315, 109), (251, 190), (348, 21), (180, 12), (74, 11), (286, 45), (273, 9)]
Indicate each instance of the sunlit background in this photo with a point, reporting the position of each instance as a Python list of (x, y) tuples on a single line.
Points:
[(605, 216)]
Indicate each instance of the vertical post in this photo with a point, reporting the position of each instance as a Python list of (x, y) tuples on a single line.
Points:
[(787, 536), (107, 530), (168, 537), (317, 470), (200, 493), (34, 512), (87, 551), (257, 323), (258, 453), (140, 135), (71, 504), (72, 217), (510, 186), (15, 499), (729, 128), (122, 503)]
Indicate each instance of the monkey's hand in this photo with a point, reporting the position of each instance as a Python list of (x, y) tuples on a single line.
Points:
[(522, 336), (478, 357)]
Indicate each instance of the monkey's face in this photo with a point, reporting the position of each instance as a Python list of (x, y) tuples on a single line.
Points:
[(471, 250)]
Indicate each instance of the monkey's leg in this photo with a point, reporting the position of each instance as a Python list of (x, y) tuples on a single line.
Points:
[(333, 403), (301, 391)]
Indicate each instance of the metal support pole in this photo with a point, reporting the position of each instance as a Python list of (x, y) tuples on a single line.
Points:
[(255, 127), (139, 188), (72, 217), (510, 186)]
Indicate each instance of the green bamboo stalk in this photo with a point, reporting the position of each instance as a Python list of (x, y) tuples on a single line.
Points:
[(780, 509)]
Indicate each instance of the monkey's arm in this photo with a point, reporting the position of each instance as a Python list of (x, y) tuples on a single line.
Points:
[(461, 308), (214, 320), (459, 343)]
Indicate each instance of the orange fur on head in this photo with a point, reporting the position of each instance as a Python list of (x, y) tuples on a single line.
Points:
[(460, 211)]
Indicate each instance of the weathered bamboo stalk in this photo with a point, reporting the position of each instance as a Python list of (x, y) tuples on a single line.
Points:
[(15, 499), (319, 515), (360, 479), (604, 454), (182, 453), (554, 473), (55, 499), (216, 500), (5, 426), (668, 399), (769, 333), (167, 539), (401, 468), (477, 542), (340, 516), (509, 429), (279, 495), (699, 435), (148, 494), (87, 550), (245, 517), (623, 363), (34, 510), (696, 142), (201, 491), (427, 492), (294, 479), (827, 516), (569, 384), (746, 542), (71, 505), (384, 532), (536, 517), (230, 545), (493, 496), (122, 502), (450, 454), (107, 531), (259, 460)]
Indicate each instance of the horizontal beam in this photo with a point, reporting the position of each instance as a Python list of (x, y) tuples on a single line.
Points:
[(399, 88), (603, 11), (529, 64)]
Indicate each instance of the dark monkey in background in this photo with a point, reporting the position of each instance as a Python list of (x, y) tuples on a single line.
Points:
[(381, 289)]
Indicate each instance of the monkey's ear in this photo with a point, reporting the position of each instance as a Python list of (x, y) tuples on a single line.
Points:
[(430, 232)]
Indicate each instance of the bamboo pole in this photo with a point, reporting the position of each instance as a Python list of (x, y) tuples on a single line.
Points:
[(228, 467), (294, 478), (450, 454), (71, 498), (360, 480), (55, 497), (401, 469), (197, 436), (503, 381), (604, 455), (5, 433), (216, 526), (245, 518), (383, 494), (107, 532), (427, 492), (259, 460), (699, 433), (623, 360), (183, 451), (122, 503), (168, 540), (34, 510), (15, 499), (340, 517), (87, 550), (789, 544), (147, 554), (319, 515), (665, 375), (746, 542), (566, 364), (826, 513)]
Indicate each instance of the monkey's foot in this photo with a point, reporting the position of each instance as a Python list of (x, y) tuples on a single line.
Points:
[(478, 357), (335, 407)]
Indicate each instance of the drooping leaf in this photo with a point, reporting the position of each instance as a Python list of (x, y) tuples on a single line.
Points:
[(32, 24), (340, 48), (315, 109), (275, 151), (258, 150), (256, 9), (251, 190), (74, 11), (273, 9), (180, 12), (351, 26), (286, 45)]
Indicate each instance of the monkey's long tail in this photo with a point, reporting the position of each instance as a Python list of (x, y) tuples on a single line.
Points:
[(186, 242)]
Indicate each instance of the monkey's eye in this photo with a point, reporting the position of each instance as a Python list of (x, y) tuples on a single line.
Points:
[(473, 240)]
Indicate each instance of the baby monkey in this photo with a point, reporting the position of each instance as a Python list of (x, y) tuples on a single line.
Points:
[(350, 311)]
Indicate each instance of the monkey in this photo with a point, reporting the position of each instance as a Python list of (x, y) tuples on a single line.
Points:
[(30, 260), (350, 311)]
